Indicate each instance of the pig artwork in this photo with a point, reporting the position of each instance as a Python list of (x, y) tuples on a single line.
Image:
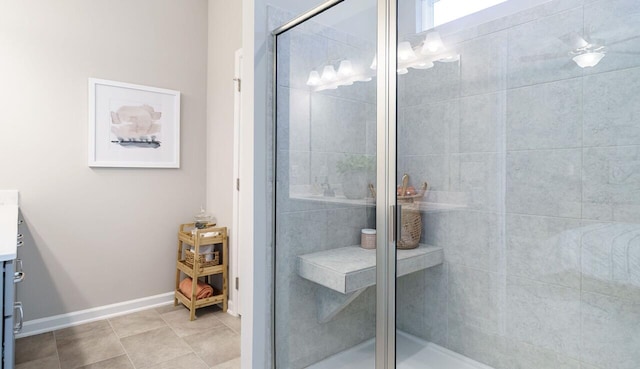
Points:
[(136, 126)]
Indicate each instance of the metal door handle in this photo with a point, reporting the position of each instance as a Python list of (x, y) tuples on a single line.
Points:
[(394, 223), (18, 327), (398, 227)]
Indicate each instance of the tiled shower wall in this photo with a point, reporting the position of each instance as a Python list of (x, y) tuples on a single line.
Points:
[(536, 163), (315, 131)]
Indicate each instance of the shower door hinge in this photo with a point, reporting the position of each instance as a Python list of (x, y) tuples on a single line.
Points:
[(237, 283), (237, 184), (239, 83)]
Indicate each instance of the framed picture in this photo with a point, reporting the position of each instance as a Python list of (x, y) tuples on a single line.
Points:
[(133, 126)]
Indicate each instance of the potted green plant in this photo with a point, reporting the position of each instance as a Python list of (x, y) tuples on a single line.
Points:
[(356, 171)]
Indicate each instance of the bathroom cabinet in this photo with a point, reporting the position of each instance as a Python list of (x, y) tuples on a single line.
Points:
[(191, 238), (11, 238)]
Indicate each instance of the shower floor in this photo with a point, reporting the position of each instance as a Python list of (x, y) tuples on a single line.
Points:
[(412, 353)]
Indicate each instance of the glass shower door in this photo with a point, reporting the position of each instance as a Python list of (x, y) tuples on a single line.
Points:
[(523, 249), (325, 185)]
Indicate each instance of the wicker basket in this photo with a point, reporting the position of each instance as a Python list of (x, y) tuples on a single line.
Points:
[(411, 226), (411, 230), (202, 260)]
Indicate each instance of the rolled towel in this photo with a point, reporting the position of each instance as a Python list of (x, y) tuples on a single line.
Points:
[(203, 290)]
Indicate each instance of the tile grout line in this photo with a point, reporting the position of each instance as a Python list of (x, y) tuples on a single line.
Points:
[(126, 353), (227, 326), (121, 345), (55, 343), (174, 332), (168, 325), (232, 330), (181, 338), (101, 360)]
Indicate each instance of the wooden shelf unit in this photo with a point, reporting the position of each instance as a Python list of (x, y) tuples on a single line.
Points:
[(196, 271)]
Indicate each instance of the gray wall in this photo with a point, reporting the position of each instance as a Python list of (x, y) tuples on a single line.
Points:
[(541, 263), (97, 236), (315, 131)]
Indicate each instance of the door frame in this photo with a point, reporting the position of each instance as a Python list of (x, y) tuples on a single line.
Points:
[(387, 212), (237, 252)]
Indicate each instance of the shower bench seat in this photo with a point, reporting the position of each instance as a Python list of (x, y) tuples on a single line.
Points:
[(347, 271)]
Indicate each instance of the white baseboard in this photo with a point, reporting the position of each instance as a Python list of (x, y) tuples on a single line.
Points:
[(231, 308), (48, 324)]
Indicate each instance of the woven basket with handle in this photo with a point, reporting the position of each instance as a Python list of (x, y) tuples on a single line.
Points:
[(411, 227), (411, 218)]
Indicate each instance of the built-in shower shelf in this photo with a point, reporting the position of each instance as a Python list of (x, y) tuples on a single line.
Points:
[(353, 268), (346, 272), (335, 200), (428, 207)]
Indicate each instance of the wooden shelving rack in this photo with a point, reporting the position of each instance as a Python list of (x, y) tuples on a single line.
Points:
[(197, 270)]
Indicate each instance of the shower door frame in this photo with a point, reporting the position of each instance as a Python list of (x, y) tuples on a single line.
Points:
[(387, 211)]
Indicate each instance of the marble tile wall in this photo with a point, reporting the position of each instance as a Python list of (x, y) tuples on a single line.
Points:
[(542, 265), (315, 130), (543, 262)]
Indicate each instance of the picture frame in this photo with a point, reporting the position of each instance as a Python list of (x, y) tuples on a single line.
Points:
[(133, 126)]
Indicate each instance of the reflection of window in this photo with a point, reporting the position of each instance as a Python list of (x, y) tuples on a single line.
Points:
[(447, 10), (437, 12)]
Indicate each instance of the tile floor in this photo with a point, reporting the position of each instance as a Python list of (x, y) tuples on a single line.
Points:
[(161, 338)]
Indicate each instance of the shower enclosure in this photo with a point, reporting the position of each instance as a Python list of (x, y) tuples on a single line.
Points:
[(494, 146)]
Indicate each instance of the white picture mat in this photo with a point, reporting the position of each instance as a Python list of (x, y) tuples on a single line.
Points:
[(104, 96)]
